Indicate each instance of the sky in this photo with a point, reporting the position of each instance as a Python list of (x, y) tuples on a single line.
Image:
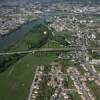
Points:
[(51, 0)]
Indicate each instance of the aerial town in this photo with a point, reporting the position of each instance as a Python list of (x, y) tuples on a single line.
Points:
[(51, 51)]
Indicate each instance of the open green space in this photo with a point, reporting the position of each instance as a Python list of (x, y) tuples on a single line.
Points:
[(58, 40), (16, 80), (34, 39), (17, 71), (61, 40), (52, 44)]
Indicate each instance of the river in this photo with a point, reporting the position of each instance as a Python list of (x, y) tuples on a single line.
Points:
[(11, 38)]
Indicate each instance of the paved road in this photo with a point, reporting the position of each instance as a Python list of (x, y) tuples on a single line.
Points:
[(39, 50), (46, 50), (31, 88)]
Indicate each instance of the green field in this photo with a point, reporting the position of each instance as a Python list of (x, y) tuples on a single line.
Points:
[(16, 80), (52, 44), (17, 72), (35, 38), (17, 75)]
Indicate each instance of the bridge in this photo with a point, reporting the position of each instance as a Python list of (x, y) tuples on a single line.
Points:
[(40, 50), (47, 50)]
